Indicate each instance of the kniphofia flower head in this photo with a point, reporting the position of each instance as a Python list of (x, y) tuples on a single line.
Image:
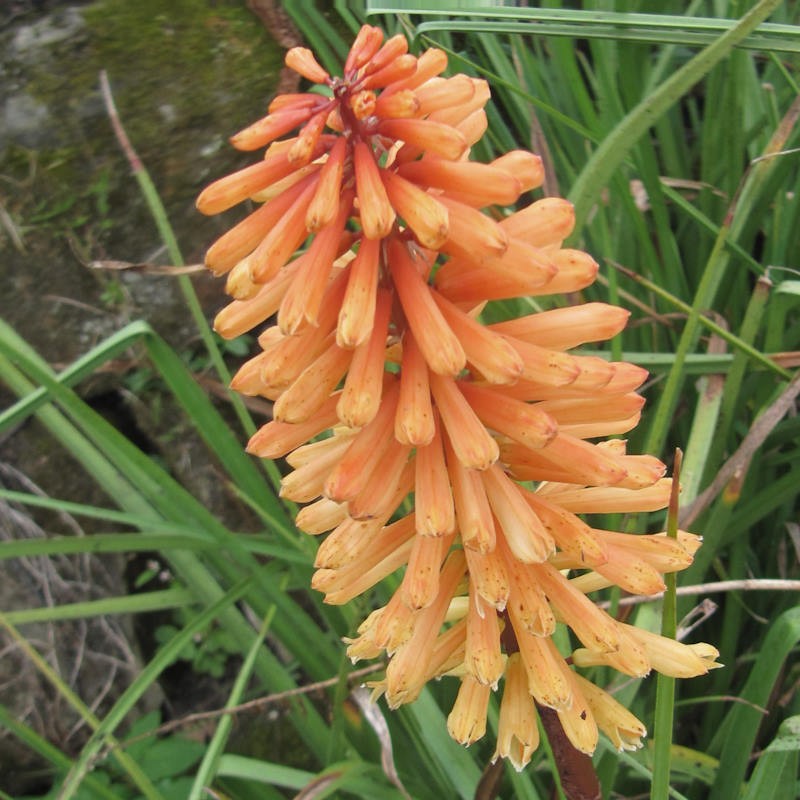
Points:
[(370, 256)]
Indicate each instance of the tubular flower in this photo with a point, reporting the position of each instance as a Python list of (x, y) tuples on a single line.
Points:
[(369, 258)]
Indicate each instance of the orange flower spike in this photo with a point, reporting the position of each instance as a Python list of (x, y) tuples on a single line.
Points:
[(414, 423), (302, 61), (469, 182), (473, 513), (402, 67), (282, 240), (365, 453), (409, 666), (427, 135), (466, 722), (366, 44), (544, 665), (524, 423), (421, 580), (489, 574), (276, 439), (541, 365), (472, 444), (482, 658), (357, 314), (517, 731), (565, 328), (526, 168), (361, 396), (526, 536), (439, 345), (325, 203), (448, 652), (315, 384), (271, 127), (375, 210), (433, 497)]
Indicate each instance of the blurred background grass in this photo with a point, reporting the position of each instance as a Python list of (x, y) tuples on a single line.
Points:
[(675, 134)]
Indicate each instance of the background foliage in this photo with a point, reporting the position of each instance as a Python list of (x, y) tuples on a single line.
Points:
[(675, 134)]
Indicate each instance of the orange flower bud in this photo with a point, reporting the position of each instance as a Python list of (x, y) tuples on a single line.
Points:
[(366, 44), (526, 167), (375, 210), (361, 395), (425, 215), (302, 60), (436, 340), (474, 184), (357, 313), (473, 513), (414, 422), (232, 189), (428, 136), (402, 67), (473, 445), (270, 128), (397, 104), (434, 499)]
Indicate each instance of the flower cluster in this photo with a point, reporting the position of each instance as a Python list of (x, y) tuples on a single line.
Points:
[(390, 394)]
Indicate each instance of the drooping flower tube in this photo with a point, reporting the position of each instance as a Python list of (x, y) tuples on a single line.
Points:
[(373, 248)]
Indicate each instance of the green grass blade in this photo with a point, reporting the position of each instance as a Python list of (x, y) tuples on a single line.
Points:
[(734, 740), (128, 699), (208, 766)]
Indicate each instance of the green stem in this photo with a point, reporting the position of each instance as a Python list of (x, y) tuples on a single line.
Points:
[(665, 687), (612, 151)]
